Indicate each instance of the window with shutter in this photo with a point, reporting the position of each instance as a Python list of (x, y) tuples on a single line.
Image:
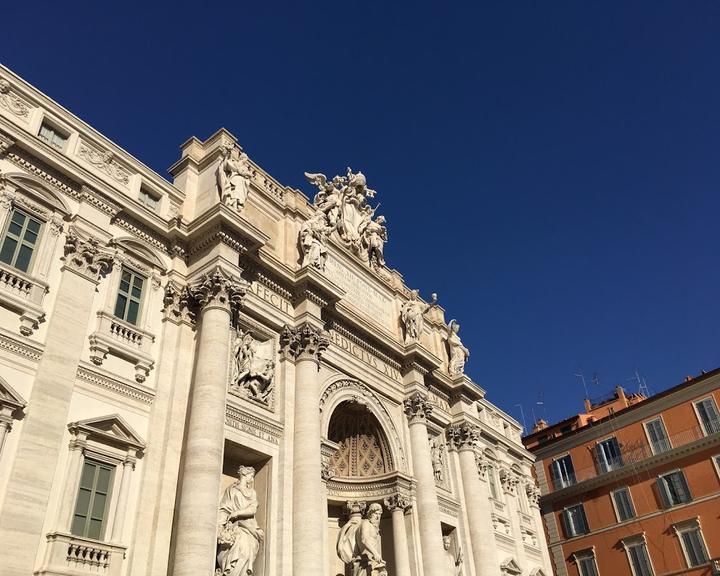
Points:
[(607, 455), (708, 414), (574, 521), (694, 547), (563, 472), (92, 500), (639, 559), (623, 504), (20, 240), (659, 441), (587, 566), (674, 489)]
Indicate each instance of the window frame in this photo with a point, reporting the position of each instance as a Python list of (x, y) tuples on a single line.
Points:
[(565, 483), (141, 301), (666, 503), (20, 240), (691, 525), (566, 524), (699, 418), (716, 462), (584, 555), (47, 122), (144, 190), (600, 465), (492, 483), (630, 500), (649, 439), (635, 541), (100, 462)]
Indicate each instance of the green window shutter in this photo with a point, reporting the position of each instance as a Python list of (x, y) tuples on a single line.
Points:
[(129, 296), (92, 499), (19, 240)]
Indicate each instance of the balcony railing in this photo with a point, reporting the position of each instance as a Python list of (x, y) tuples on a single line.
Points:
[(635, 454), (69, 555)]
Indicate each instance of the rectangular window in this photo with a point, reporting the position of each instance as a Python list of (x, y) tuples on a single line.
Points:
[(563, 472), (492, 482), (129, 297), (574, 521), (20, 240), (659, 441), (148, 199), (694, 547), (674, 489), (587, 566), (639, 559), (52, 136), (607, 454), (709, 417), (92, 500), (623, 504)]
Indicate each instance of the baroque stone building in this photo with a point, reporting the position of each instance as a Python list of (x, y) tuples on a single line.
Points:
[(218, 374)]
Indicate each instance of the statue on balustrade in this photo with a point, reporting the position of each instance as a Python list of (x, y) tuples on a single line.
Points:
[(359, 543), (412, 315), (457, 352), (313, 235), (233, 177), (239, 537)]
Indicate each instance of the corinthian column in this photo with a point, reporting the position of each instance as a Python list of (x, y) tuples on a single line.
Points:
[(397, 505), (306, 344), (216, 296), (40, 442), (482, 538), (417, 409)]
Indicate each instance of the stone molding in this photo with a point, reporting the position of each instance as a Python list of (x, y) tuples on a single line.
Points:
[(128, 389), (463, 436), (86, 257), (218, 290), (417, 409), (304, 341)]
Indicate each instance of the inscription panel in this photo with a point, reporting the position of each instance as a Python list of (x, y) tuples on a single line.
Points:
[(359, 292), (365, 356)]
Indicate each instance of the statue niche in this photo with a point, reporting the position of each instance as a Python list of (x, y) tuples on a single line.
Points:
[(364, 449)]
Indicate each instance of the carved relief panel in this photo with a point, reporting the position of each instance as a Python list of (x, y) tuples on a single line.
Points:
[(252, 365)]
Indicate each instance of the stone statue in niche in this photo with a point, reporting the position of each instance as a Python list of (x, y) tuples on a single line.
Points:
[(239, 537), (454, 560), (412, 314), (344, 202), (359, 543), (458, 354), (313, 235), (253, 368), (437, 452), (233, 177)]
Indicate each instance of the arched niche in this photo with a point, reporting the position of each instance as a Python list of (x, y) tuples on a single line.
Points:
[(346, 391)]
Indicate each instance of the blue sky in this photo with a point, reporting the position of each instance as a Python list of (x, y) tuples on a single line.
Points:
[(549, 168)]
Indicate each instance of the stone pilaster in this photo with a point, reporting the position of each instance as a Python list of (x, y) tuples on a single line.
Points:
[(306, 344), (216, 296), (510, 481), (397, 504), (464, 438), (417, 410), (40, 443)]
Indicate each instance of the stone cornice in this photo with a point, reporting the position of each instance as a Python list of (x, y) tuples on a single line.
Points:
[(127, 388)]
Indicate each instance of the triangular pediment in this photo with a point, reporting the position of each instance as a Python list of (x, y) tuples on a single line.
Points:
[(537, 572), (509, 566), (110, 428), (9, 397)]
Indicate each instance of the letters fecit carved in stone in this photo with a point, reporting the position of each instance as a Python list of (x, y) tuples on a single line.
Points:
[(218, 290), (417, 408), (304, 340), (463, 436), (86, 256)]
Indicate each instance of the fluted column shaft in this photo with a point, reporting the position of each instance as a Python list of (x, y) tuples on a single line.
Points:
[(417, 409), (307, 344), (482, 537), (397, 505), (197, 509)]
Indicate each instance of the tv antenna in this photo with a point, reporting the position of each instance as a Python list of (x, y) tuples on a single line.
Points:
[(522, 414), (642, 384), (582, 379)]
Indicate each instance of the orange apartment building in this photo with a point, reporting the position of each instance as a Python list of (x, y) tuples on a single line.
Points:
[(632, 485)]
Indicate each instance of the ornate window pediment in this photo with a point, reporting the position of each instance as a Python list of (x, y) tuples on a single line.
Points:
[(113, 430), (10, 400), (509, 566)]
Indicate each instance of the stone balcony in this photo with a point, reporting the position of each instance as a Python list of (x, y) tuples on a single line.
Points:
[(115, 336), (69, 555), (23, 294)]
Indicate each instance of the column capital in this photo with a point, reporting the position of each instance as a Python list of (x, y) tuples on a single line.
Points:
[(217, 289), (417, 408), (354, 507), (177, 304), (304, 341), (509, 481), (533, 493), (463, 436), (327, 472), (86, 256), (397, 502), (482, 465)]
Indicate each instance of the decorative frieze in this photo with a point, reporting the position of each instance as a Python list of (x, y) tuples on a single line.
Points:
[(252, 368), (86, 256), (216, 289), (417, 408), (104, 161), (12, 102), (304, 341)]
